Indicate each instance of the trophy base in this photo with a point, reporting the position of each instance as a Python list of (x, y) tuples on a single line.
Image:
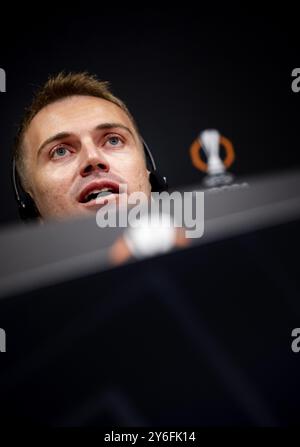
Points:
[(211, 181)]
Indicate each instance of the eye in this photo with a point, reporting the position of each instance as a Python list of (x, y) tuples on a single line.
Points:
[(114, 140), (59, 152)]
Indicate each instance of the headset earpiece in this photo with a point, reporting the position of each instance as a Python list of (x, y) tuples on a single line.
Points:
[(157, 181), (26, 206)]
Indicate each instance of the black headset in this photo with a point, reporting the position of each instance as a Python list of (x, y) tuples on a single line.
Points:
[(28, 210)]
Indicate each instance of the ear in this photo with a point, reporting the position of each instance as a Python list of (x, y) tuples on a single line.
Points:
[(26, 187), (149, 176), (29, 192)]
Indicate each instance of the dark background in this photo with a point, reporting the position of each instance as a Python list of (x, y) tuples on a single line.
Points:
[(207, 316), (180, 71)]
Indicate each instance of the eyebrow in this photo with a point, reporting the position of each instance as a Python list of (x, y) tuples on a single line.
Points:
[(62, 135)]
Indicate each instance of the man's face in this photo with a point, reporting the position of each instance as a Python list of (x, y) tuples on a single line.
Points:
[(77, 146)]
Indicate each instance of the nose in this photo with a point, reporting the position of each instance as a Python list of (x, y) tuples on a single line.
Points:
[(93, 160)]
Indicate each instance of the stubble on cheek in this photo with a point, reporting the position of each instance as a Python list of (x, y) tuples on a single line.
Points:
[(53, 203), (142, 182)]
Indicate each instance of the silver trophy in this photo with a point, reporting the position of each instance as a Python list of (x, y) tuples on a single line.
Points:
[(216, 170)]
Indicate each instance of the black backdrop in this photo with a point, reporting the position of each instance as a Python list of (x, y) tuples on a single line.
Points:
[(179, 70)]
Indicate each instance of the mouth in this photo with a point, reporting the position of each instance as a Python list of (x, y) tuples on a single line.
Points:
[(98, 190)]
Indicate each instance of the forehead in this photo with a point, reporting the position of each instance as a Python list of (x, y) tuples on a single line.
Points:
[(75, 114)]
